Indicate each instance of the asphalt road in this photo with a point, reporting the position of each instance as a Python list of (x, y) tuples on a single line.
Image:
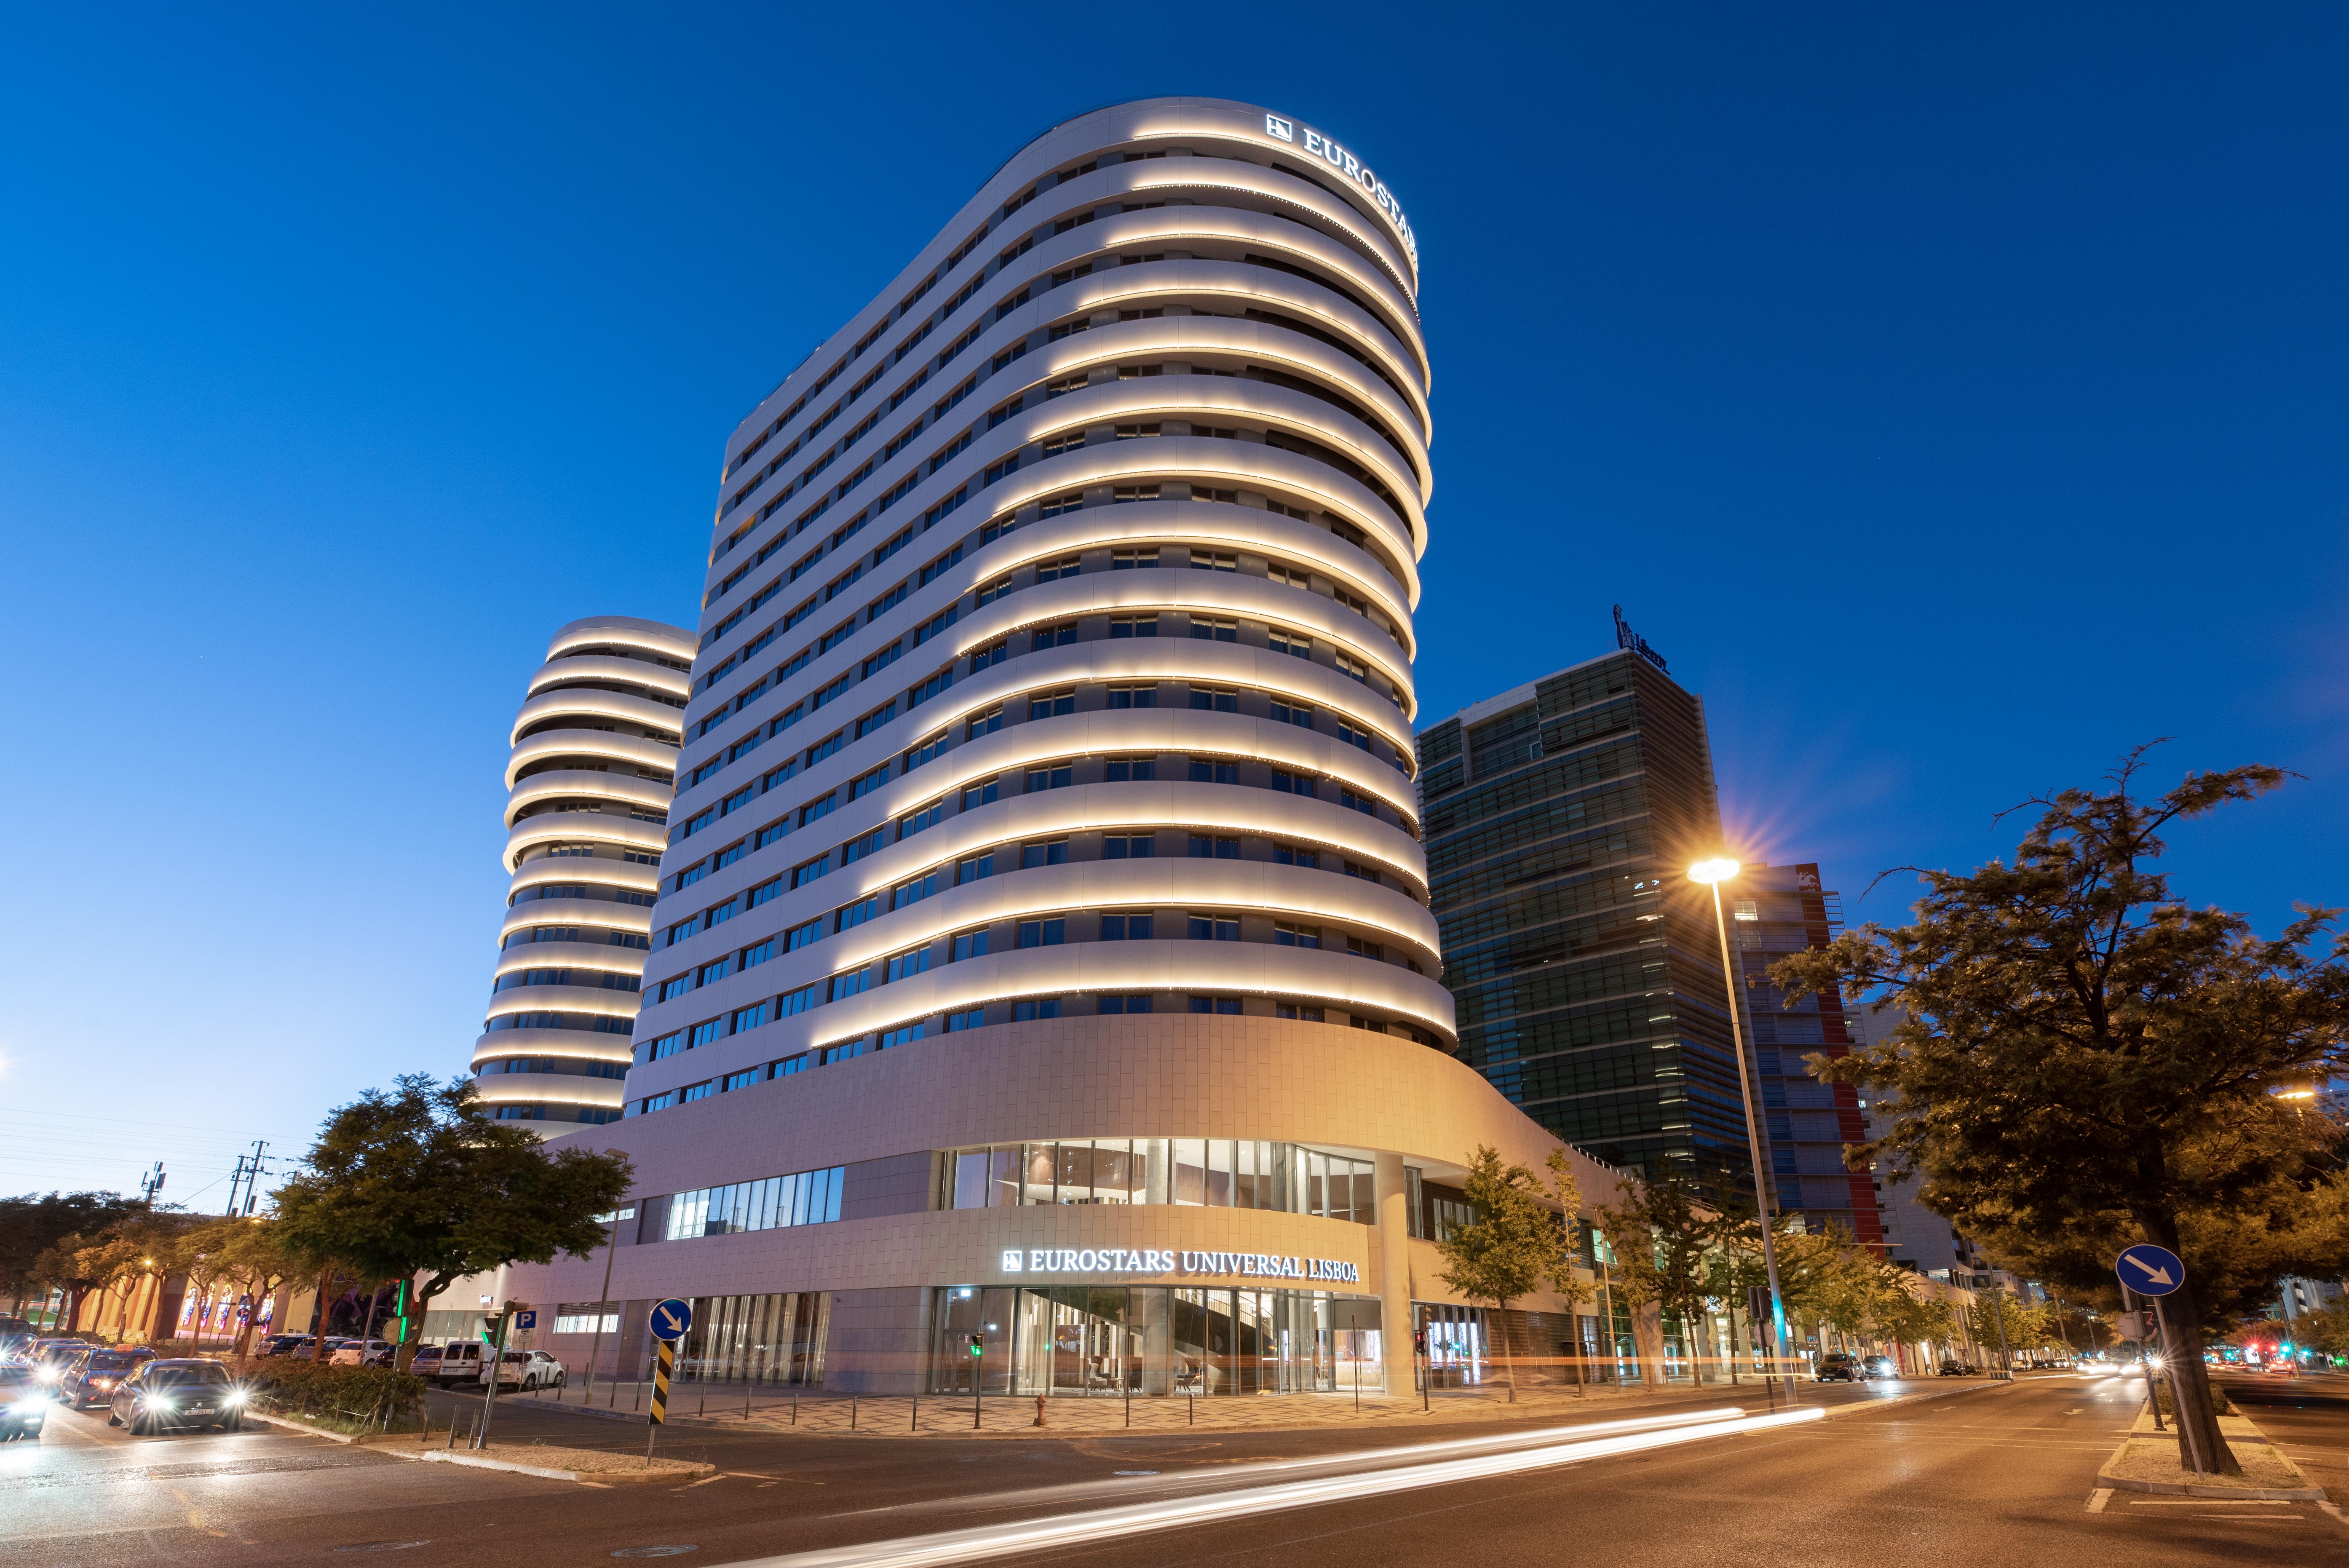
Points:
[(1995, 1474)]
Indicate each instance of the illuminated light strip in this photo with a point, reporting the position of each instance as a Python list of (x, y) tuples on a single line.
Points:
[(612, 667), (1106, 1524)]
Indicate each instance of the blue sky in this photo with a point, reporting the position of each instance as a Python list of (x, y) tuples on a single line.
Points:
[(1955, 400)]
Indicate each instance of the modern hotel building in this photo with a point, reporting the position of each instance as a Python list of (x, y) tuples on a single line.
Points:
[(588, 790), (1042, 949)]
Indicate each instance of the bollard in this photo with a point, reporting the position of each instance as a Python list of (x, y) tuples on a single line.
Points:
[(614, 1402), (851, 1412), (795, 1409), (703, 1408), (1193, 1398), (639, 1403), (916, 1424), (1040, 1411), (453, 1431)]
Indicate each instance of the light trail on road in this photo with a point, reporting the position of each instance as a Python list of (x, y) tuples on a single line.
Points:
[(1096, 1525)]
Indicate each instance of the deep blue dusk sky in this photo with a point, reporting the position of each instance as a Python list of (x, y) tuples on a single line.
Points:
[(1955, 400)]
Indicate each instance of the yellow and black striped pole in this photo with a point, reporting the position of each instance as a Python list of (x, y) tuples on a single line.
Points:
[(663, 1365)]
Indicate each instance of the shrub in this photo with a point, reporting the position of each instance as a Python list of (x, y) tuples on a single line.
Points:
[(358, 1397)]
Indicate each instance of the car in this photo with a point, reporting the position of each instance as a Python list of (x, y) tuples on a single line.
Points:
[(285, 1345), (530, 1370), (1881, 1367), (1836, 1366), (50, 1357), (163, 1395), (91, 1377), (355, 1352), (23, 1402), (1952, 1367), (459, 1361), (15, 1334)]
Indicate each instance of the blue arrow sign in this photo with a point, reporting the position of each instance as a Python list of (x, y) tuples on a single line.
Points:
[(2148, 1270), (671, 1318)]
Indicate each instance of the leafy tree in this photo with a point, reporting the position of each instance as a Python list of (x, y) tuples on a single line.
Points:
[(32, 1224), (1672, 1268), (1514, 1243), (2075, 1033), (421, 1182)]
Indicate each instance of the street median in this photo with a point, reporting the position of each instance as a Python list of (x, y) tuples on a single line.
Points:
[(2148, 1462)]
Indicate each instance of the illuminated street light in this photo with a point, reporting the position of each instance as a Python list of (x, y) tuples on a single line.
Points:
[(1713, 874)]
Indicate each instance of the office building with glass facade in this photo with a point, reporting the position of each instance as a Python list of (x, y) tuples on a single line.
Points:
[(1561, 817), (1042, 949)]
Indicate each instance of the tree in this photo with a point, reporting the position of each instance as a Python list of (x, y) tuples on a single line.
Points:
[(421, 1182), (32, 1224), (1672, 1267), (2073, 1032), (1512, 1244)]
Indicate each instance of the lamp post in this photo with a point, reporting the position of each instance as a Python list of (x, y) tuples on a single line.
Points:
[(1713, 874)]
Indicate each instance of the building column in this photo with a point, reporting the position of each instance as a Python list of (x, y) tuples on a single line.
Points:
[(1389, 1191)]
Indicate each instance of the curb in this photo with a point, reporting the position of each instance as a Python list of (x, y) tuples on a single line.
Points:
[(545, 1472), (288, 1421), (2242, 1493)]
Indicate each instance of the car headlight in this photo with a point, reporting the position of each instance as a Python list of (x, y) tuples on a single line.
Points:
[(236, 1395), (49, 1374), (161, 1402), (30, 1406)]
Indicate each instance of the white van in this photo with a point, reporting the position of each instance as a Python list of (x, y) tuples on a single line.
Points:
[(459, 1361)]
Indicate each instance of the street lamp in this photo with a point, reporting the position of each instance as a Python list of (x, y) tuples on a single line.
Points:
[(1713, 874)]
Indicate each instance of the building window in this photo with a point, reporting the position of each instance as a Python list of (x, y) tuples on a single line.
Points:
[(1222, 1004), (1052, 704), (1129, 846), (1215, 629), (1128, 560), (1053, 852), (1203, 847), (974, 868), (1214, 929), (1034, 1007), (977, 795), (1284, 855), (1292, 713), (1125, 928), (1205, 770), (1058, 636), (907, 965), (969, 945), (1042, 933), (1288, 936), (1130, 769), (1053, 776), (1214, 561), (1306, 1015), (970, 1018), (1214, 700), (1133, 625), (1133, 697), (1113, 1005)]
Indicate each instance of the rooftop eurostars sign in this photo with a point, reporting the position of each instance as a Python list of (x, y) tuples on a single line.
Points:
[(1337, 157)]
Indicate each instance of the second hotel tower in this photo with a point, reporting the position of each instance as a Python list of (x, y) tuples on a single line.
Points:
[(1044, 915)]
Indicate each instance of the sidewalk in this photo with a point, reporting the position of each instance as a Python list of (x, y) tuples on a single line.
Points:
[(818, 1413)]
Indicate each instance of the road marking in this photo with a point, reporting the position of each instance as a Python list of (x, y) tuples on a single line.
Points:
[(2098, 1498), (2208, 1502), (2334, 1509)]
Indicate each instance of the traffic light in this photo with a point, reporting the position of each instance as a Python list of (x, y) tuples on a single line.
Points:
[(978, 1345), (399, 1324)]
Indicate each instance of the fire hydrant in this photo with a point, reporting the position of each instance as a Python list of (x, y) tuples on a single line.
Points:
[(1040, 1411)]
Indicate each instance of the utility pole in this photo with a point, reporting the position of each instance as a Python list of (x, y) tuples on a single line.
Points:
[(234, 1178), (150, 1186), (253, 1175)]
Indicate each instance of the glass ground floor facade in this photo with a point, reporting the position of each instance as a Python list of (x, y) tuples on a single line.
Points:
[(1150, 1340)]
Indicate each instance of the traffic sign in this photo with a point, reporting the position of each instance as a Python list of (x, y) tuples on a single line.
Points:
[(526, 1319), (662, 1367), (2148, 1270), (670, 1319), (2132, 1325)]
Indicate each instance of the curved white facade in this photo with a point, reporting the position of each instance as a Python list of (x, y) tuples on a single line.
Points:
[(588, 786), (1095, 535)]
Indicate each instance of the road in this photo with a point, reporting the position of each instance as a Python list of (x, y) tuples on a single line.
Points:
[(1994, 1474)]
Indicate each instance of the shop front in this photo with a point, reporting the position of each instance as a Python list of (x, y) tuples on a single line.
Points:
[(1152, 1340)]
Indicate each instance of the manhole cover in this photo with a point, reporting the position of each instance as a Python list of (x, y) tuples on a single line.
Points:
[(383, 1546), (655, 1550)]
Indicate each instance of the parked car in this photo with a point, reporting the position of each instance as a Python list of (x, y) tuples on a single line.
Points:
[(23, 1402), (15, 1334), (91, 1377), (1952, 1367), (285, 1345), (357, 1352), (459, 1361), (1881, 1367), (530, 1370), (1837, 1368), (163, 1395)]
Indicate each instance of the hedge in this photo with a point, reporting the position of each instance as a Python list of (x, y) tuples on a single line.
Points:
[(365, 1395)]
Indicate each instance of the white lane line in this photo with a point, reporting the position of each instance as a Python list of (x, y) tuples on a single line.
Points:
[(1109, 1524), (2098, 1498)]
